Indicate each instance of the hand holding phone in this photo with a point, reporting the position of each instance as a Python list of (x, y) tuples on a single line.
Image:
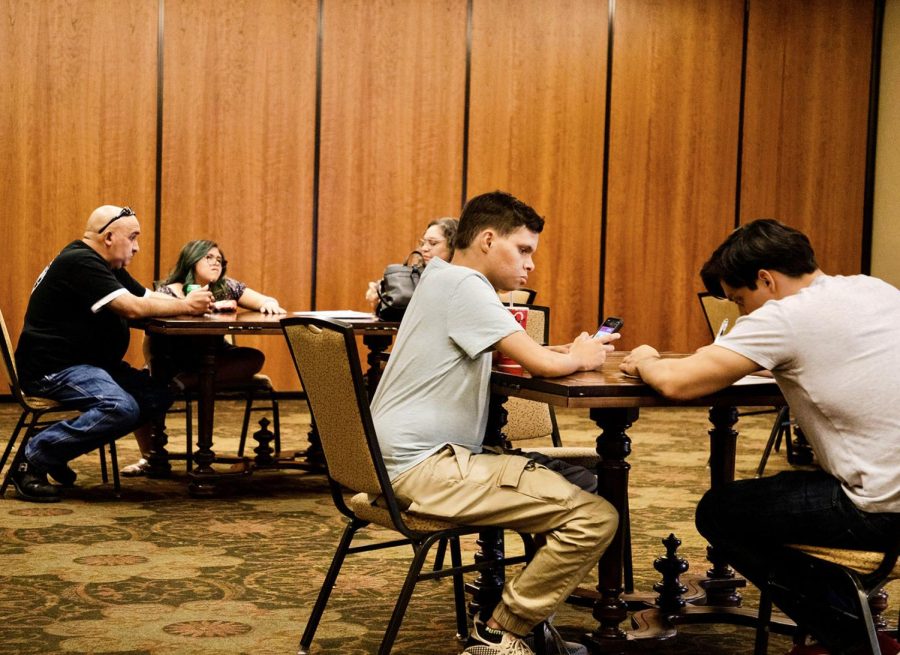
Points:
[(609, 326)]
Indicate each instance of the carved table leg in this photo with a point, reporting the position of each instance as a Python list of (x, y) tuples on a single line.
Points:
[(721, 583), (670, 590), (202, 477), (264, 437), (158, 457), (613, 445), (314, 454)]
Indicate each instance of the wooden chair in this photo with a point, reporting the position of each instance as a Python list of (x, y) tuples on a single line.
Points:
[(327, 362), (717, 311), (36, 415), (852, 575), (523, 296), (529, 420)]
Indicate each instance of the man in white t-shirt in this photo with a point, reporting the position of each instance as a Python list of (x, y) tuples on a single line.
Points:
[(833, 345), (430, 414)]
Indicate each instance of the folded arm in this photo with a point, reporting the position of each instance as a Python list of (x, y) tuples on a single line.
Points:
[(709, 369)]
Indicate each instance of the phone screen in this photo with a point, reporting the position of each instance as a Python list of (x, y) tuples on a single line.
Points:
[(610, 325)]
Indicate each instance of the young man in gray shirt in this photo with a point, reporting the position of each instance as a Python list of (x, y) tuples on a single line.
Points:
[(833, 345), (430, 414)]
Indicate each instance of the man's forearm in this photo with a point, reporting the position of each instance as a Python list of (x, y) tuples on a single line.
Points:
[(133, 307)]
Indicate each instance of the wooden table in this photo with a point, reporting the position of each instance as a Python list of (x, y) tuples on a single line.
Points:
[(614, 401), (377, 336)]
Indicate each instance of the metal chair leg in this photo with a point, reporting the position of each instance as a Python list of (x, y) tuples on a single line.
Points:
[(245, 425), (18, 456), (327, 585), (782, 422), (114, 461), (12, 438), (276, 422), (415, 567), (764, 616), (189, 434), (439, 555), (459, 589), (104, 474)]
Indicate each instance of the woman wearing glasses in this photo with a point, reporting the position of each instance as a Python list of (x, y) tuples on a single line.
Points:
[(436, 242), (201, 265)]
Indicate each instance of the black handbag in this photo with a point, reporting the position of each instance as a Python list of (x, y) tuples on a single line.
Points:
[(396, 289)]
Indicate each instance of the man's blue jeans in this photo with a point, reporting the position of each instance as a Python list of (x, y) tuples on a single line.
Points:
[(112, 404), (751, 520)]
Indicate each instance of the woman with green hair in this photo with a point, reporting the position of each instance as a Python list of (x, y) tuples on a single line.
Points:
[(201, 265)]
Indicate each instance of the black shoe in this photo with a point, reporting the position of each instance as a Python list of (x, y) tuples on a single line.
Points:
[(32, 484), (64, 475)]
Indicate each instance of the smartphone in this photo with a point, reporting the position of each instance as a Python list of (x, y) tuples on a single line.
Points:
[(610, 325)]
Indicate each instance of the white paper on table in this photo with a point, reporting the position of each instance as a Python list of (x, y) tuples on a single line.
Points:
[(337, 313)]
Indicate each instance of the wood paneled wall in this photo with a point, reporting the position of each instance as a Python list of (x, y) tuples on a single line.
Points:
[(536, 130), (805, 138), (676, 81), (238, 146), (77, 130), (314, 139), (393, 102)]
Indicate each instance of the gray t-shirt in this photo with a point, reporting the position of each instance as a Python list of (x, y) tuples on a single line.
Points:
[(435, 388), (834, 349)]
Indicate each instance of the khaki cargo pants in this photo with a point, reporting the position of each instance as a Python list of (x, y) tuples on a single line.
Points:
[(513, 492)]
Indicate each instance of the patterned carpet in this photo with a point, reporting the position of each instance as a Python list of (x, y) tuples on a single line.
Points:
[(156, 572)]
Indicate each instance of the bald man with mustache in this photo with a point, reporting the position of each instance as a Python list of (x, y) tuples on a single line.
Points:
[(72, 345)]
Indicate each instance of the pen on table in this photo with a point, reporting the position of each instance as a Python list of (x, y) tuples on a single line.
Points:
[(722, 329)]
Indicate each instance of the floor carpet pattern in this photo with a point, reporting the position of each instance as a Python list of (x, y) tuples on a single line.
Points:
[(156, 572)]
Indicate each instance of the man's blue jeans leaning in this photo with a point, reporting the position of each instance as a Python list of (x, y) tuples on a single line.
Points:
[(751, 520), (112, 404)]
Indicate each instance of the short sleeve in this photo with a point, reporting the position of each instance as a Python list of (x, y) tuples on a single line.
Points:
[(234, 289), (476, 319), (760, 337), (133, 286)]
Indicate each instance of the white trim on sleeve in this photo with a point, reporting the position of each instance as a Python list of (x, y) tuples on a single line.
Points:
[(108, 298)]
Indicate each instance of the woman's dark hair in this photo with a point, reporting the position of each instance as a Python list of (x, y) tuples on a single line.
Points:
[(763, 244), (191, 253), (448, 226), (498, 210)]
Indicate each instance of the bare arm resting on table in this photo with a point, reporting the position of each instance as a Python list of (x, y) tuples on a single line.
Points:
[(251, 299), (583, 354), (709, 369), (157, 304)]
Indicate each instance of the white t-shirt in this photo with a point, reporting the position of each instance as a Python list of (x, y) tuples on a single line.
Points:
[(834, 349), (436, 386)]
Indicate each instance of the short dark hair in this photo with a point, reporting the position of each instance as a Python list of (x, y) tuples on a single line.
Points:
[(498, 210), (763, 244)]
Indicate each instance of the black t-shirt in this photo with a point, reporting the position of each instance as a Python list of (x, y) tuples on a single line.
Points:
[(68, 321)]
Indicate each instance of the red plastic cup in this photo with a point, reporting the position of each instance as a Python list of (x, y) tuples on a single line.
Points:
[(521, 316)]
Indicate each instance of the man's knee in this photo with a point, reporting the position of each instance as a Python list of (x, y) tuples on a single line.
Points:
[(121, 410), (595, 520)]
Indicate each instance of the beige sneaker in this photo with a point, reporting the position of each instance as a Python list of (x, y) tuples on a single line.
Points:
[(487, 641)]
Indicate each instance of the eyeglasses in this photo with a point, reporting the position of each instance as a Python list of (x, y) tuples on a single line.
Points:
[(214, 259), (431, 243), (126, 211)]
